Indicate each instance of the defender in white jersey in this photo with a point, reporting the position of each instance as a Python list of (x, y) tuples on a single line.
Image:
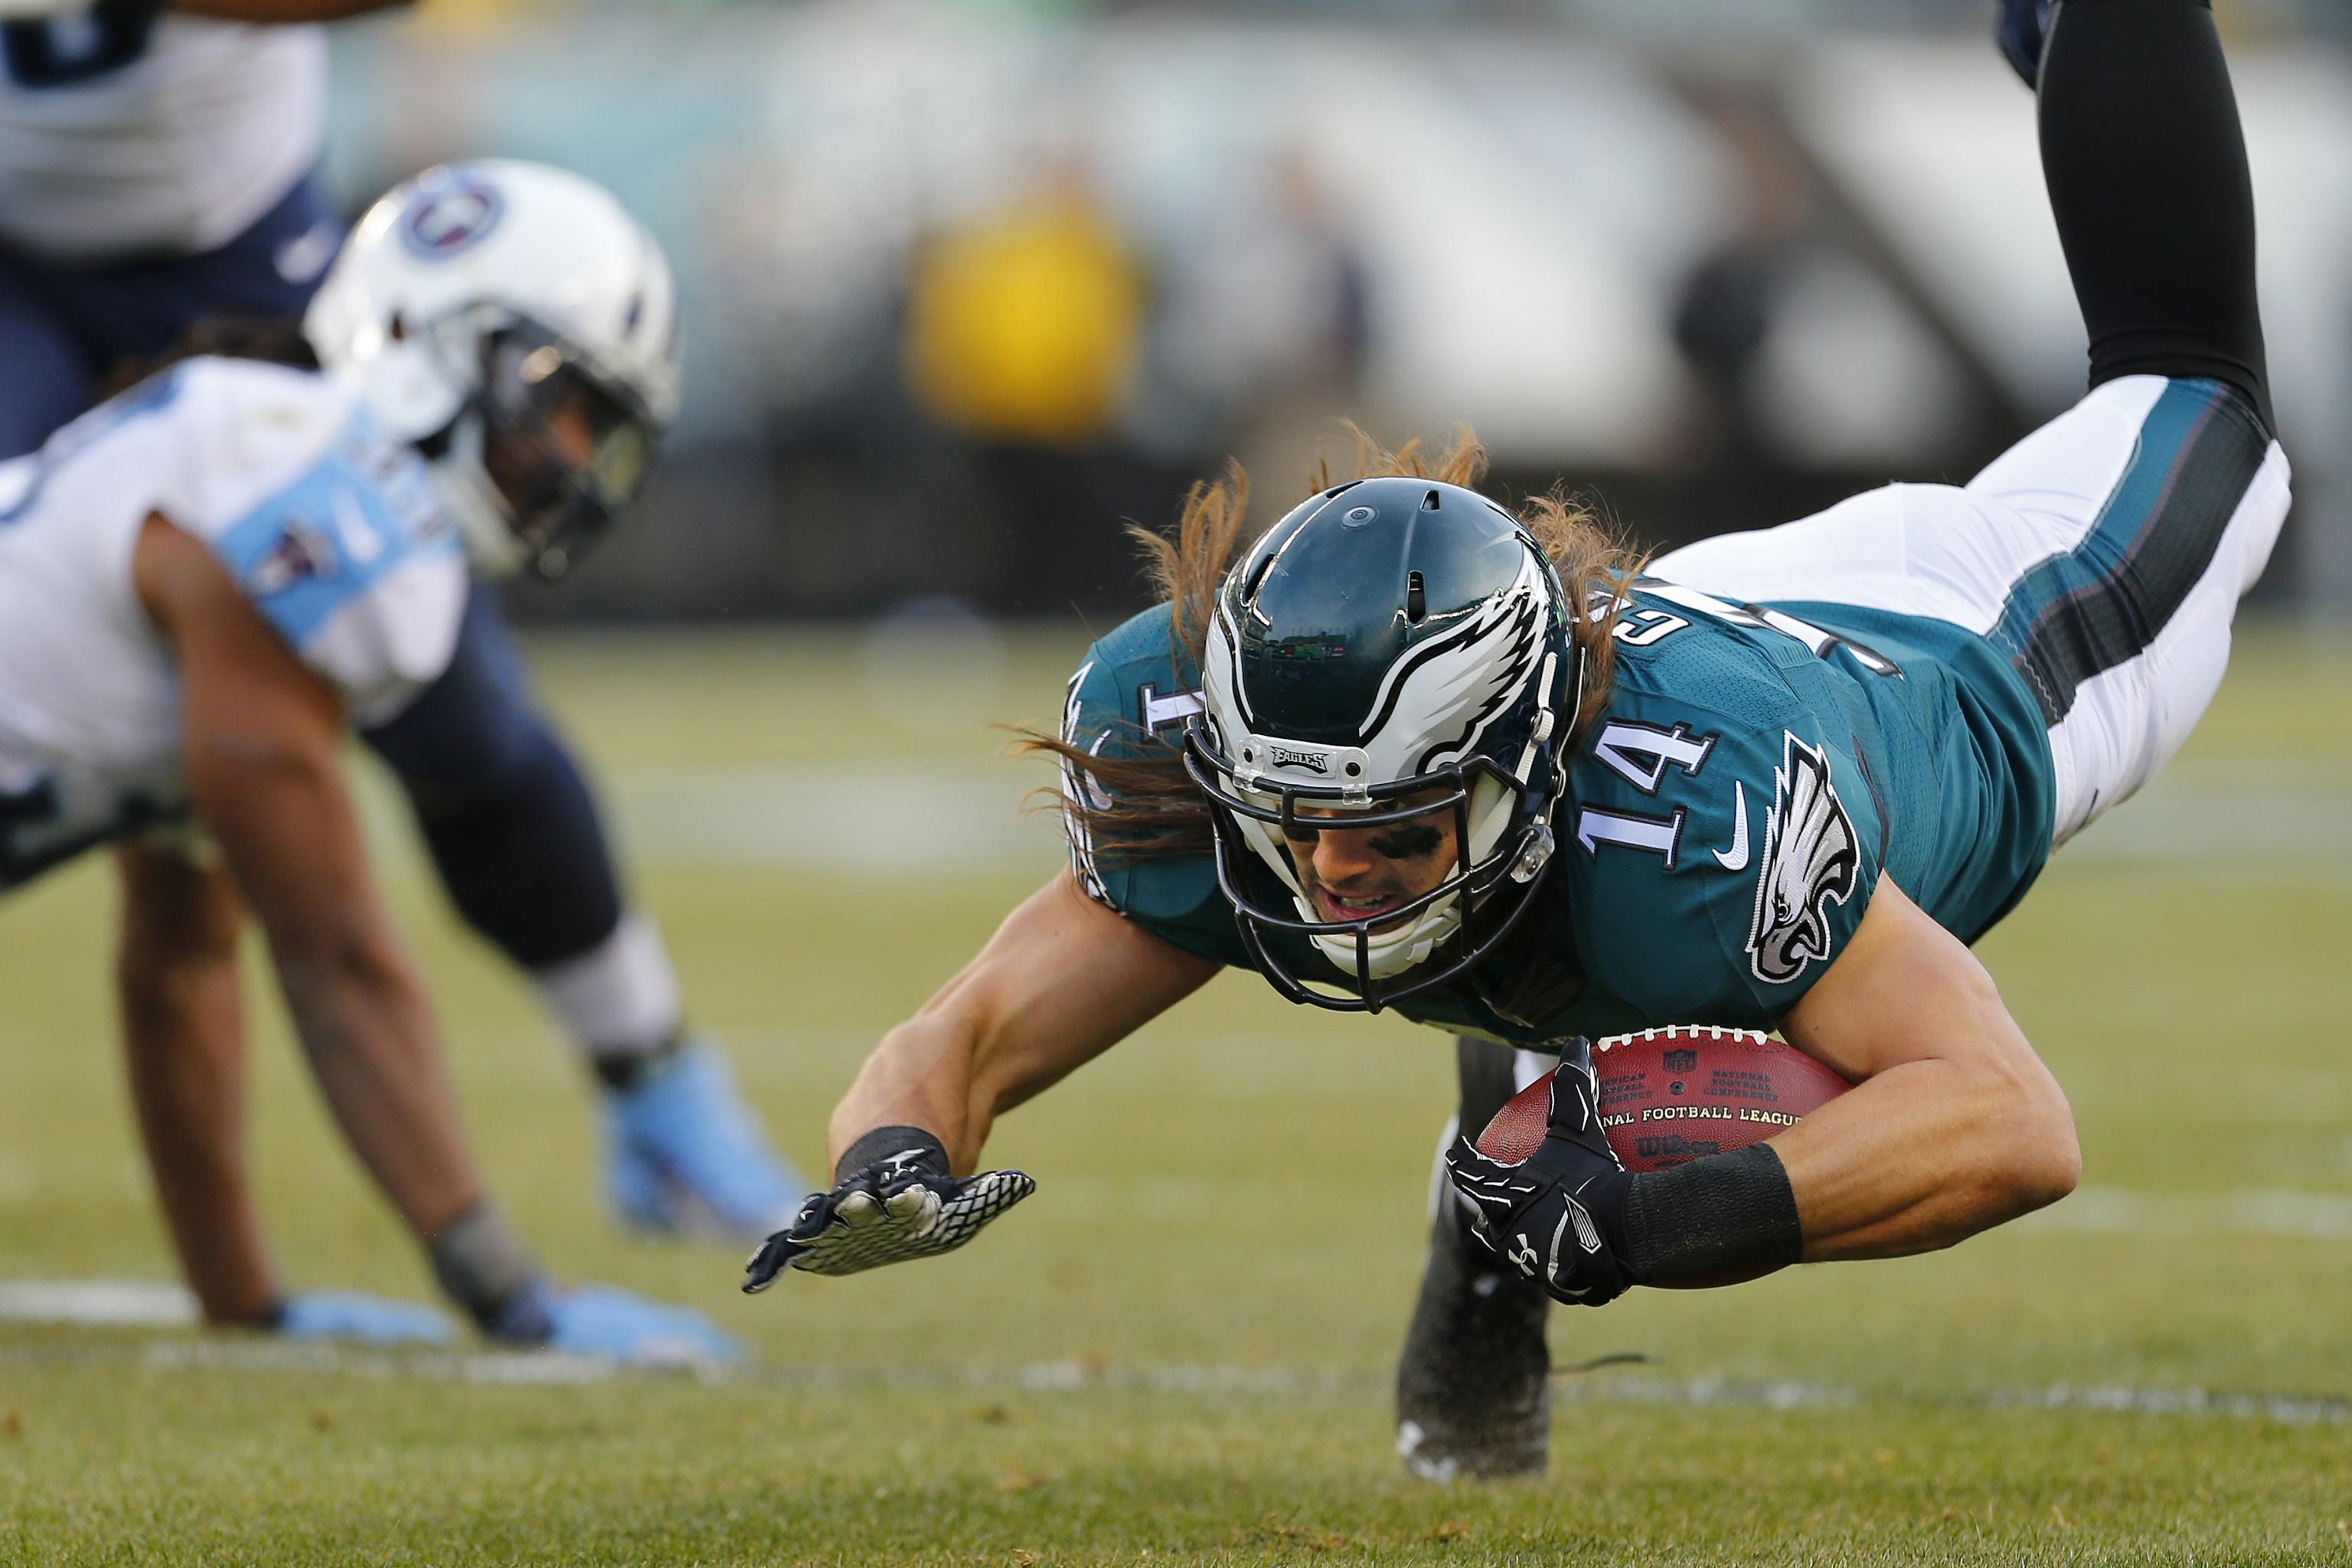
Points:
[(156, 179), (201, 583)]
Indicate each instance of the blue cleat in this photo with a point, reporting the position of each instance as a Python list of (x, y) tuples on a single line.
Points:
[(685, 1153), (2023, 28), (362, 1320), (599, 1320)]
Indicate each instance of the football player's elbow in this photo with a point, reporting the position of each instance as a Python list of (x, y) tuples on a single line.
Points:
[(2035, 1157), (2055, 1169)]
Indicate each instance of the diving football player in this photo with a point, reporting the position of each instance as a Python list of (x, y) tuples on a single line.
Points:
[(205, 580), (157, 170), (1409, 750)]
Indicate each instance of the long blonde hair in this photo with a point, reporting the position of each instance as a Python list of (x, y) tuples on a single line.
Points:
[(1143, 805)]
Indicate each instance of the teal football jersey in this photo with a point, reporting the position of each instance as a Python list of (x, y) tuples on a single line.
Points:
[(1756, 771)]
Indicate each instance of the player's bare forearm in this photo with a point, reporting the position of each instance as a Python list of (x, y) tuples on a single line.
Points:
[(1062, 981), (261, 739), (183, 1036), (370, 1040), (1954, 1125), (921, 1075)]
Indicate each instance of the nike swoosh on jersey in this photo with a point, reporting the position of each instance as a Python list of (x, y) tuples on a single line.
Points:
[(1735, 858)]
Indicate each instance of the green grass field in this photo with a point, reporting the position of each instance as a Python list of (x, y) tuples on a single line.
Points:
[(1179, 1349)]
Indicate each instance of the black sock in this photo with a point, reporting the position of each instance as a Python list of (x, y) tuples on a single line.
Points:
[(622, 1071), (2147, 168)]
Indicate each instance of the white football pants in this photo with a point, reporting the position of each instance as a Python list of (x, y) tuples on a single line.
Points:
[(2104, 553)]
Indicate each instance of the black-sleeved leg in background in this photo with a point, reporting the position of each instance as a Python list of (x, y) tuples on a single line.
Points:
[(504, 809), (1473, 1391), (2147, 168)]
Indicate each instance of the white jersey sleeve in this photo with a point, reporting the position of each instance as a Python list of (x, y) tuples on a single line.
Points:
[(336, 535)]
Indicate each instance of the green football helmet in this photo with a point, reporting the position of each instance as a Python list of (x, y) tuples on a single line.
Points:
[(1393, 649)]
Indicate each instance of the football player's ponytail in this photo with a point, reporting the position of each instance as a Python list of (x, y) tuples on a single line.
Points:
[(1596, 569), (1142, 805)]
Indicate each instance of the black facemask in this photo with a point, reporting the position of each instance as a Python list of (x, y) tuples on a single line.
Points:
[(559, 505)]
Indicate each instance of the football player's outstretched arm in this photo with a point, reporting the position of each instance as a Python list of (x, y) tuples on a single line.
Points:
[(183, 1034), (1954, 1124), (1061, 982), (261, 739)]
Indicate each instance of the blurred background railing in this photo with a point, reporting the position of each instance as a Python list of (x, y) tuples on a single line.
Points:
[(972, 283)]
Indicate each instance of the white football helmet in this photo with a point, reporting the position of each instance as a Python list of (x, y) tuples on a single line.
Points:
[(515, 323)]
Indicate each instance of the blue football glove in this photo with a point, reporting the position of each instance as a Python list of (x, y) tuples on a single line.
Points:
[(685, 1153), (1537, 1215), (599, 1320), (904, 1205), (361, 1319)]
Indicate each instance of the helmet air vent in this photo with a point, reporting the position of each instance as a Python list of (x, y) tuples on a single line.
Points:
[(1257, 576), (1429, 501), (1416, 599)]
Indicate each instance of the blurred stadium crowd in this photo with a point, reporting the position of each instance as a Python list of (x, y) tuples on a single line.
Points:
[(971, 281)]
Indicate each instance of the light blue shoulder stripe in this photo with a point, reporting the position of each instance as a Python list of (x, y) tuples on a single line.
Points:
[(365, 508)]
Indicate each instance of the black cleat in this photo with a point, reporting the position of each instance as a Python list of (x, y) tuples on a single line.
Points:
[(1474, 1385)]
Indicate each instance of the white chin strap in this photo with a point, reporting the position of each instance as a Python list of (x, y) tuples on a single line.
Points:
[(1389, 954), (492, 547)]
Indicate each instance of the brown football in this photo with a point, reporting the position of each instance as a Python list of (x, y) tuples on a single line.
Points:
[(1668, 1096)]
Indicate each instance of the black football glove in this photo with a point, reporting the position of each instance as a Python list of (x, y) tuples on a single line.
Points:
[(1538, 1214), (903, 1206)]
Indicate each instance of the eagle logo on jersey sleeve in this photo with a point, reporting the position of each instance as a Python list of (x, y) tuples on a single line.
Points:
[(1811, 861)]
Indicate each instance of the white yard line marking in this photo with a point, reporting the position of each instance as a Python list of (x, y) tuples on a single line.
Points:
[(547, 1367), (2118, 1211), (97, 1303), (262, 1357), (2091, 1211)]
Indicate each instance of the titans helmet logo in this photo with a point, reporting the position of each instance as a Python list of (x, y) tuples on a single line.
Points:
[(1811, 861), (450, 211)]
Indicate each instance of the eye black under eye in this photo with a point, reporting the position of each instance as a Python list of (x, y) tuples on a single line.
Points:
[(1408, 843)]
